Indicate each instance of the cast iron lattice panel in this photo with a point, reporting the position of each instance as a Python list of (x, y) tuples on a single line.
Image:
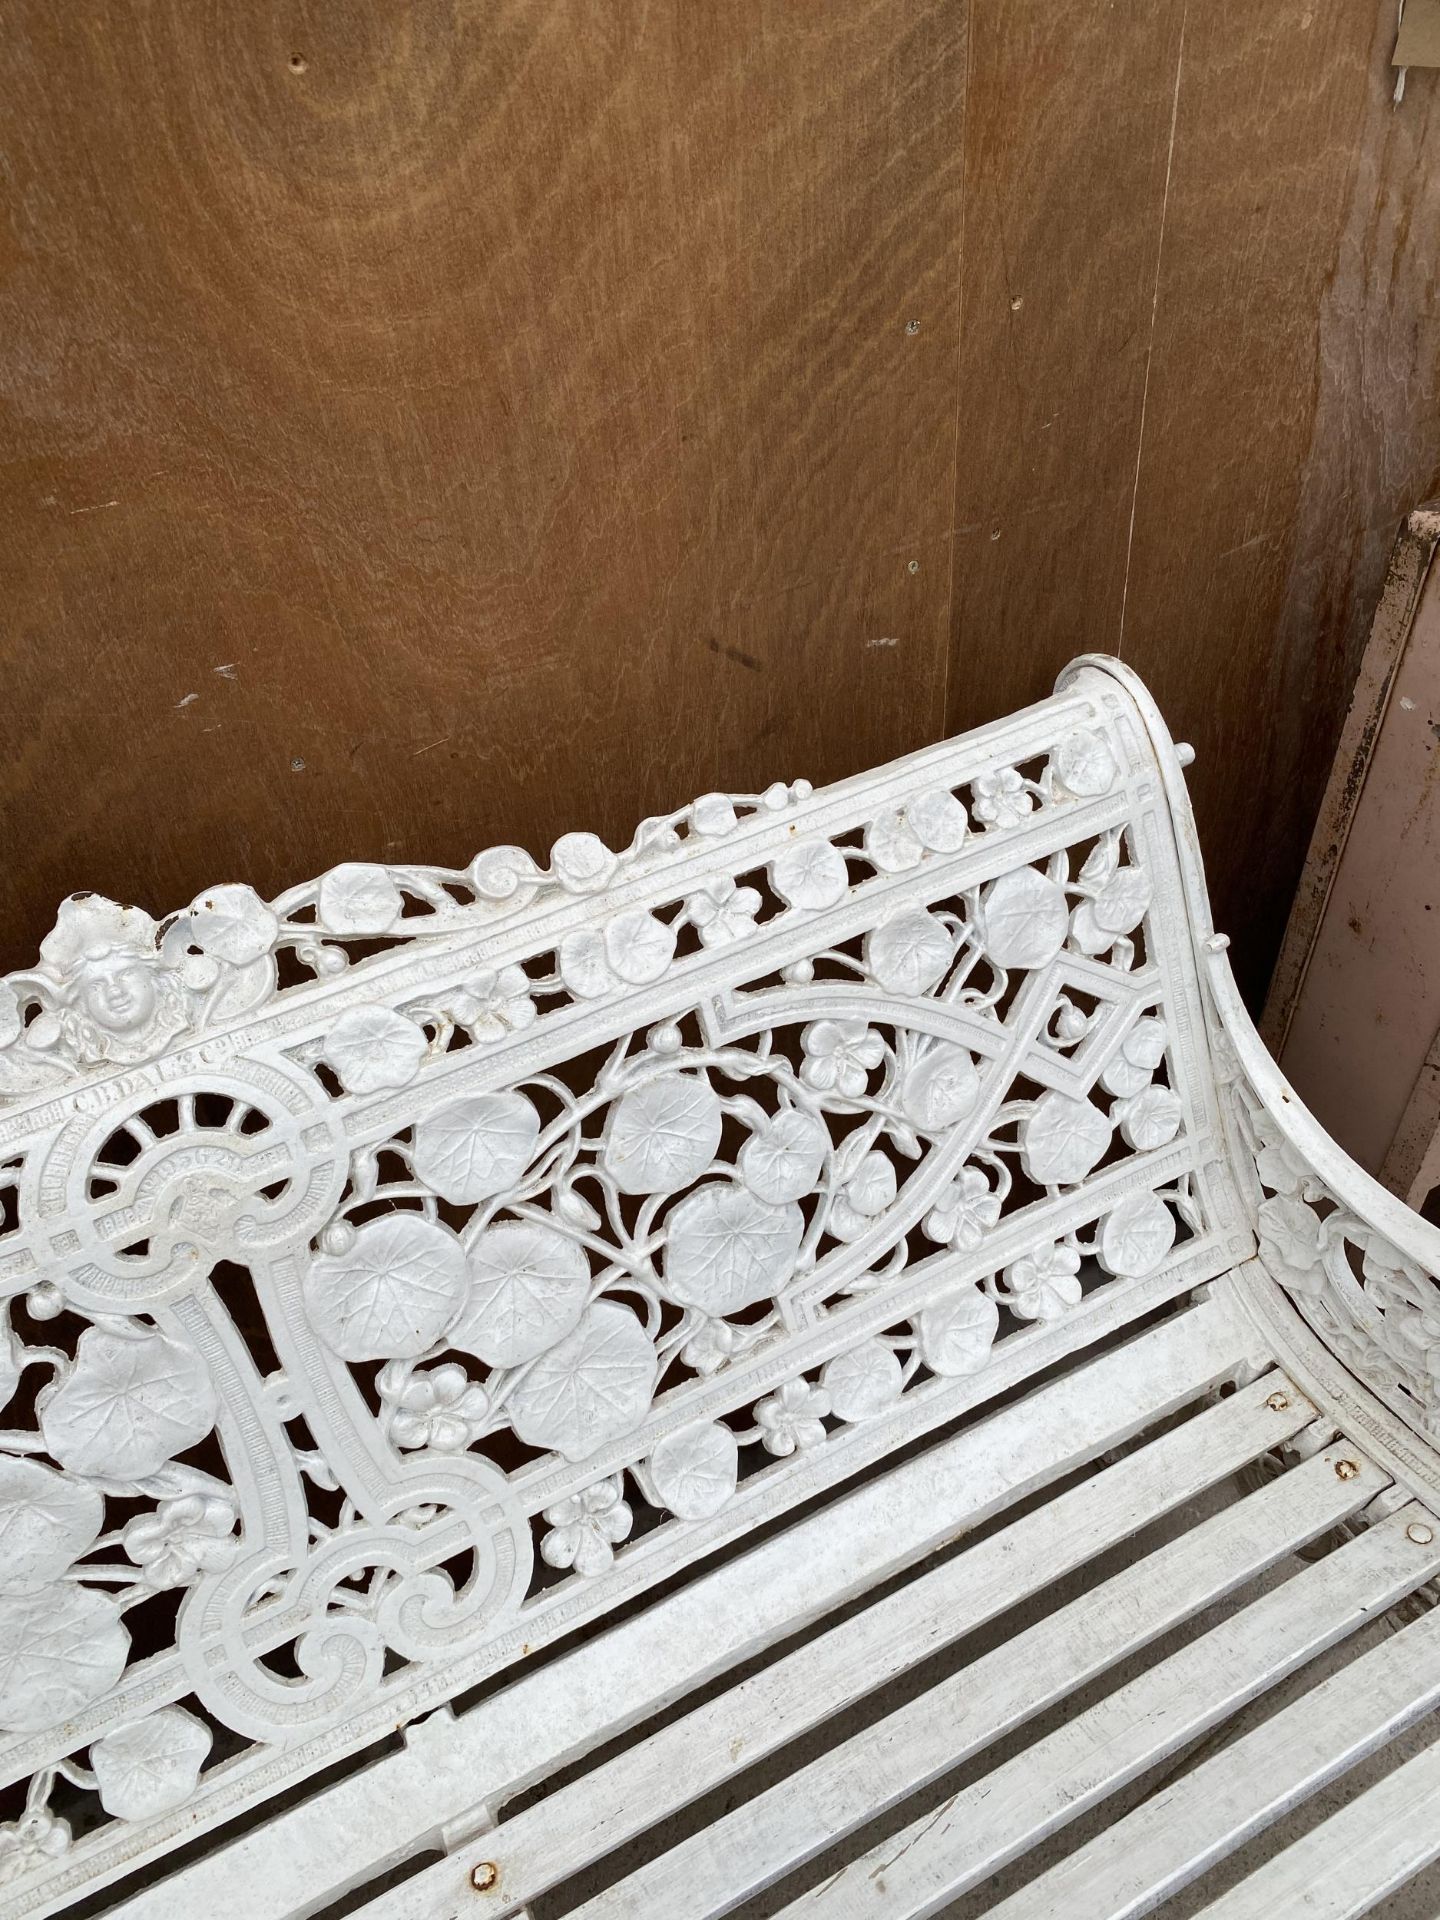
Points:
[(411, 1268)]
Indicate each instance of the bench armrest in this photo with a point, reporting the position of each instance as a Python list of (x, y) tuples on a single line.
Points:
[(1362, 1267)]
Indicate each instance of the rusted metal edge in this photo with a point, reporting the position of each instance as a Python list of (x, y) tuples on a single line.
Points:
[(1410, 561)]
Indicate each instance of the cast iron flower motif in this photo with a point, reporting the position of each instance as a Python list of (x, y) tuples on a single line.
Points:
[(839, 1055), (193, 1533), (586, 1528), (966, 1211), (26, 1843), (1001, 798), (1041, 1285), (793, 1418), (441, 1408), (722, 911)]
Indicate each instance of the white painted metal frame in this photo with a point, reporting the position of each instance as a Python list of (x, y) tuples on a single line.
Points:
[(408, 1272)]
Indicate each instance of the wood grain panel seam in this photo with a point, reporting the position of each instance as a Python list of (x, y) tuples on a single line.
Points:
[(1154, 316), (956, 530)]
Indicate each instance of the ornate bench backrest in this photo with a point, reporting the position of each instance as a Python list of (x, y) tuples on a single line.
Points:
[(408, 1270)]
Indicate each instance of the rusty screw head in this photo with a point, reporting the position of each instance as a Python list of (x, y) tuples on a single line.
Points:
[(1419, 1533), (1346, 1469), (484, 1875), (1278, 1402)]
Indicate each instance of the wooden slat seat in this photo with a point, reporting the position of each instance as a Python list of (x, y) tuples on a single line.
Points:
[(1353, 1861), (1218, 1805), (809, 1367)]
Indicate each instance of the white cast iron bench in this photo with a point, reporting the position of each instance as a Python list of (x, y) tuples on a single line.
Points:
[(812, 1366)]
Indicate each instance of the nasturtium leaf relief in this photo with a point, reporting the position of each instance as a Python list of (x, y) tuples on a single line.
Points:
[(693, 1471), (810, 873), (783, 1157), (592, 1387), (1086, 934), (727, 1249), (130, 1403), (1132, 1066), (1085, 763), (863, 1382), (908, 952), (392, 1293), (359, 898), (582, 863), (1282, 1170), (1062, 1140), (1101, 862), (638, 947), (1150, 1118), (958, 1331), (1137, 1235), (713, 814), (371, 1048), (941, 1087), (1023, 919), (872, 1186), (148, 1766), (892, 843), (938, 819), (233, 924), (528, 1286), (583, 965), (1116, 910), (662, 1136), (844, 1222), (61, 1647), (1290, 1240), (1122, 902), (47, 1520), (476, 1147)]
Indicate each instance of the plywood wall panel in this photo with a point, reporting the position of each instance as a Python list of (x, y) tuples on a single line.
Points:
[(460, 422), (1067, 140), (1293, 417), (438, 424)]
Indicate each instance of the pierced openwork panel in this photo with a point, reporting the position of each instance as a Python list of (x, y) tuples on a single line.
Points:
[(407, 1270), (1373, 1296)]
